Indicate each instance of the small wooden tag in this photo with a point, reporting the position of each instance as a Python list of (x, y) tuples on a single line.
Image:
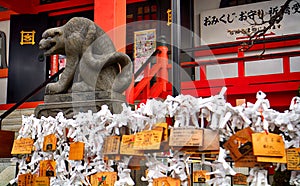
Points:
[(41, 181), (271, 159), (186, 137), (76, 151), (25, 179), (22, 146), (111, 145), (240, 179), (47, 168), (126, 146), (267, 144), (104, 179), (165, 130), (248, 160), (200, 176), (50, 142), (211, 140), (240, 143), (168, 181), (148, 140), (239, 102), (293, 159)]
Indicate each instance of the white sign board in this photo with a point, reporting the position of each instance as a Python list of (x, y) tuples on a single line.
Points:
[(228, 24), (144, 46)]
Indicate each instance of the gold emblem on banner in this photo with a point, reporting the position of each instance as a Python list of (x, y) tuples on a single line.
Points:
[(169, 12), (27, 37)]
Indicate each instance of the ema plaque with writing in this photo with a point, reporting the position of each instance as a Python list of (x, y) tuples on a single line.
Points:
[(187, 137), (22, 146), (268, 144), (293, 159), (111, 145)]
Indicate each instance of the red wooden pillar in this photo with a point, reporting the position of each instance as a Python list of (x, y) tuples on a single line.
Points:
[(286, 65), (54, 64), (241, 63), (111, 17), (162, 58), (146, 91)]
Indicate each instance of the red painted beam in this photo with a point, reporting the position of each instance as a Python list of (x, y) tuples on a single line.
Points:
[(23, 106), (18, 6), (33, 6), (4, 73), (70, 11), (146, 80), (134, 1), (5, 15), (70, 4), (189, 64), (233, 47)]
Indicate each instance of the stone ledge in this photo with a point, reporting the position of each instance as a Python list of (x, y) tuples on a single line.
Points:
[(69, 109), (83, 96)]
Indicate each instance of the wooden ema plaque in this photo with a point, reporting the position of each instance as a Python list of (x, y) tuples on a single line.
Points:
[(50, 142), (189, 137), (240, 143), (76, 151), (200, 176), (249, 160), (148, 139), (166, 181), (211, 141), (41, 181), (7, 138), (272, 159), (47, 168), (22, 146), (164, 126), (293, 159), (211, 144), (239, 102), (240, 179), (111, 145), (268, 144), (103, 179), (126, 146), (25, 179)]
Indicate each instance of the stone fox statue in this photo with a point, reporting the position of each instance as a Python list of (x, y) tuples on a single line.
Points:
[(93, 64)]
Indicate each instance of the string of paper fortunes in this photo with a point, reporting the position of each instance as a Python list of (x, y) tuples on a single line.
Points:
[(92, 128)]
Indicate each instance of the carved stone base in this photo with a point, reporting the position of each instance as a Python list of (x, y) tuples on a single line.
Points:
[(72, 103)]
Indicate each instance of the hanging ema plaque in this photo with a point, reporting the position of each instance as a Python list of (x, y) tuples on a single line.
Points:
[(22, 146), (268, 144), (293, 159), (187, 137)]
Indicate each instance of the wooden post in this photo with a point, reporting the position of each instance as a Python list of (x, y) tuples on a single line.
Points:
[(162, 58), (111, 17)]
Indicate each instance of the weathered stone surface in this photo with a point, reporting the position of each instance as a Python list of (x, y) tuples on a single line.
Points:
[(73, 103), (7, 171), (83, 96), (13, 121)]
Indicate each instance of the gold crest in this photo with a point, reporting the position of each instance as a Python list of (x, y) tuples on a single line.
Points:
[(27, 37)]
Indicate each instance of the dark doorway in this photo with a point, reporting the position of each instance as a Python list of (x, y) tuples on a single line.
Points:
[(27, 66)]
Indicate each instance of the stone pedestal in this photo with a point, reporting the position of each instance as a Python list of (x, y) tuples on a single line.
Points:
[(72, 103)]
